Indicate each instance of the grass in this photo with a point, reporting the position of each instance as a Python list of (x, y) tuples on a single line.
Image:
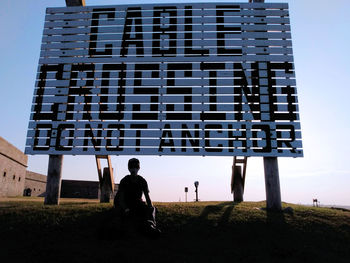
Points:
[(81, 230)]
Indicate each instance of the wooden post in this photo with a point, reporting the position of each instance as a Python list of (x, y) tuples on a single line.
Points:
[(54, 171), (239, 169), (106, 178), (237, 186), (53, 184), (272, 184), (105, 186), (272, 180)]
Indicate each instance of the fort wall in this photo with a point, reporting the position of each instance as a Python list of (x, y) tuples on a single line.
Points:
[(13, 165)]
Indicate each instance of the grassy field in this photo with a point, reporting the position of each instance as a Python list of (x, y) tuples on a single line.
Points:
[(85, 231)]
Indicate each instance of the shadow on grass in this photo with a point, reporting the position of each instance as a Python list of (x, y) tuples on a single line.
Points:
[(275, 217), (215, 209)]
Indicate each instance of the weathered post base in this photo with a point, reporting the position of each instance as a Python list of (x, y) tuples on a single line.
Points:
[(53, 185), (105, 186), (238, 187), (272, 184)]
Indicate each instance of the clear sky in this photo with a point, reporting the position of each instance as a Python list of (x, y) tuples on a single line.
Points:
[(321, 41)]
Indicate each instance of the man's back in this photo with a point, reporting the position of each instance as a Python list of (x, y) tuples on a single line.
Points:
[(132, 187)]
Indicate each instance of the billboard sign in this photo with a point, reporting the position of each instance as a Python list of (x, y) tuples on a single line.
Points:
[(166, 79)]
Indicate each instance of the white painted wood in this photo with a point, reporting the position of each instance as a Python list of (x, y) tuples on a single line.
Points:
[(179, 82), (162, 107), (136, 99), (243, 58), (161, 124), (149, 13), (148, 52), (197, 6), (167, 151), (196, 25), (176, 133), (197, 32)]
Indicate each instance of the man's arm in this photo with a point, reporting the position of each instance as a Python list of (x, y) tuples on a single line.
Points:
[(121, 193), (148, 199), (146, 193)]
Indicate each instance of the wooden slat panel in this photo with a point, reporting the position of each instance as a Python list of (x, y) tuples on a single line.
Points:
[(197, 6), (277, 58), (177, 142), (189, 82), (161, 124), (195, 26), (241, 94), (253, 15), (176, 133), (169, 152), (194, 107)]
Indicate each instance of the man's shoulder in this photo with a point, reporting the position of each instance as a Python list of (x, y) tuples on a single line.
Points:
[(142, 179), (125, 178)]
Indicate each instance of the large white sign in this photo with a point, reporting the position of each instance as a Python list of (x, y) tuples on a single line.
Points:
[(166, 79)]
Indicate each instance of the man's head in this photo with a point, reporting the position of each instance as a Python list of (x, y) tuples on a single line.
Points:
[(134, 166)]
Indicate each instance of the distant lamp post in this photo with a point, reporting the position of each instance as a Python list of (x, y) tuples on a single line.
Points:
[(196, 183), (186, 191)]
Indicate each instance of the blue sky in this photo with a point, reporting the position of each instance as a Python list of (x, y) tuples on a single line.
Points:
[(321, 40)]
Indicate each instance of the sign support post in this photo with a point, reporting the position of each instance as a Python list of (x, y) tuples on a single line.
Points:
[(272, 181), (54, 171), (272, 184), (53, 184), (106, 186), (239, 168)]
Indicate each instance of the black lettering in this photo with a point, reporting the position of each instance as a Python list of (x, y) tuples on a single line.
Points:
[(138, 134), (38, 129), (232, 138), (106, 113), (273, 100), (223, 30), (213, 68), (110, 129), (194, 140), (208, 129), (133, 18), (161, 32), (265, 128), (60, 129), (38, 114), (186, 70), (251, 95), (285, 141), (138, 89), (189, 51), (167, 135), (96, 13), (89, 135), (73, 92)]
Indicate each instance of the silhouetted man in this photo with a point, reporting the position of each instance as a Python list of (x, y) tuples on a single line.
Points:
[(129, 203)]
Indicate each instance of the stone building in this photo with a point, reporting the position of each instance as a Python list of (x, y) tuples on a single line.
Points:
[(81, 189), (15, 180), (35, 184), (13, 166)]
